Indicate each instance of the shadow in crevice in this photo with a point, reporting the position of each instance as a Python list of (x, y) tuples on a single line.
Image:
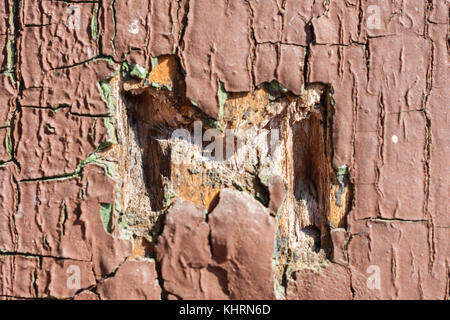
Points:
[(155, 157), (311, 177)]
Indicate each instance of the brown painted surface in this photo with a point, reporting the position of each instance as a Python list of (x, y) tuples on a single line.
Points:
[(227, 267), (94, 203)]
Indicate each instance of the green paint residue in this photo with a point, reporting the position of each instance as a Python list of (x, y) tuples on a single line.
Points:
[(107, 59), (342, 177), (10, 57), (134, 70), (342, 170), (112, 138), (123, 223), (11, 19), (139, 72), (94, 23), (154, 62), (222, 95), (213, 123), (168, 196), (106, 91), (279, 290), (278, 86), (161, 86), (332, 102), (10, 46), (34, 282), (9, 147), (110, 172), (274, 89), (106, 210), (113, 39)]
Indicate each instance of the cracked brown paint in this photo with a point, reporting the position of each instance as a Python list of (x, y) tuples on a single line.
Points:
[(91, 184)]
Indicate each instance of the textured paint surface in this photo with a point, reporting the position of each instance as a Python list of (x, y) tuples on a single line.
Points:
[(96, 202)]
